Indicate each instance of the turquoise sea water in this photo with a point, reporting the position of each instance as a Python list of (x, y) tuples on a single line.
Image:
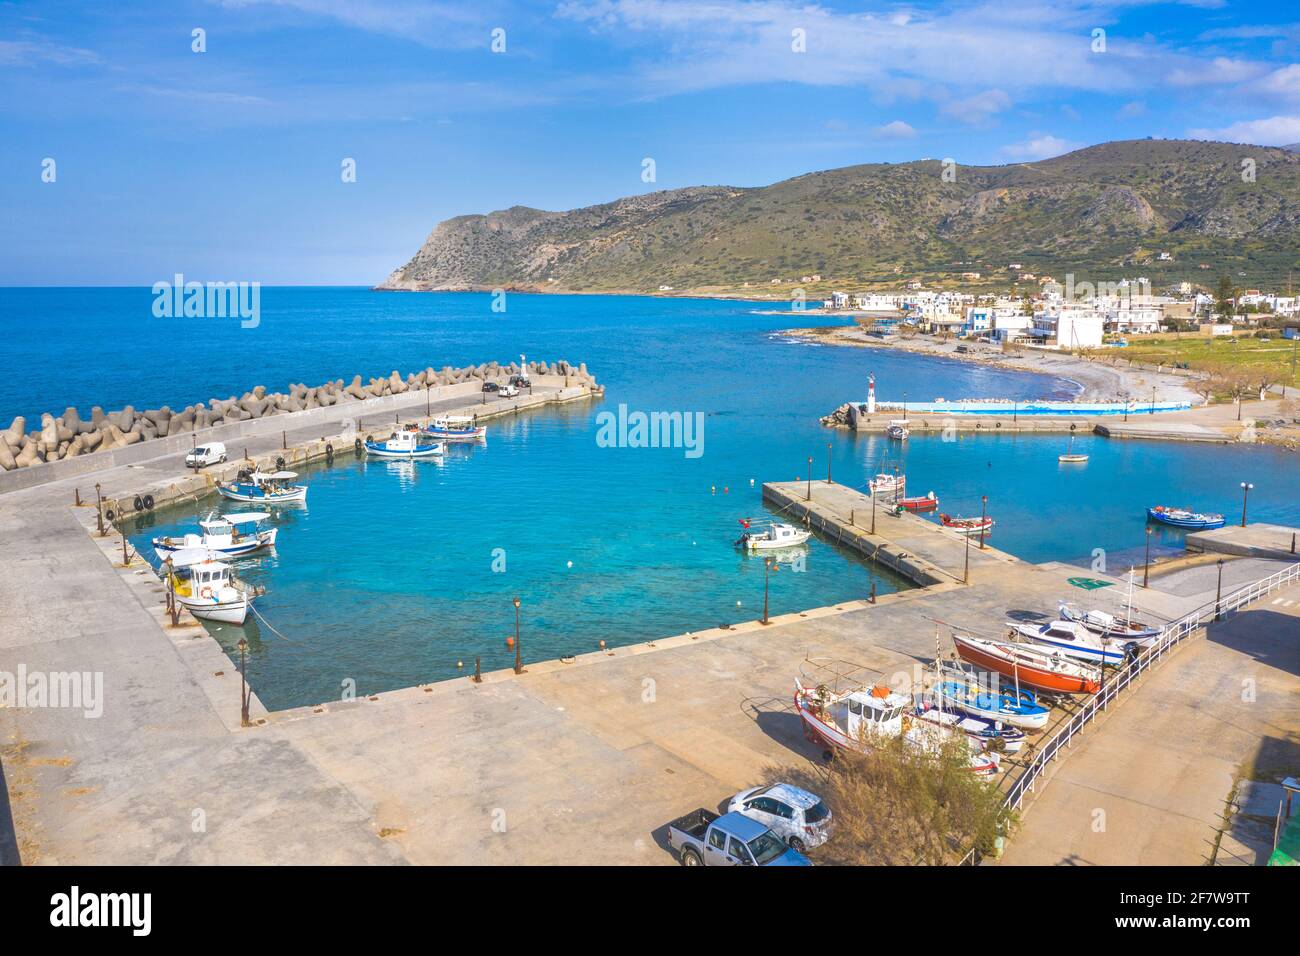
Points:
[(387, 577)]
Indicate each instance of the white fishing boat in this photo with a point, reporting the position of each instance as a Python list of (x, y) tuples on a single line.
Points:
[(887, 485), (1109, 625), (1070, 458), (404, 444), (258, 487), (862, 716), (769, 536), (1074, 640), (457, 428), (223, 535), (897, 429), (207, 588)]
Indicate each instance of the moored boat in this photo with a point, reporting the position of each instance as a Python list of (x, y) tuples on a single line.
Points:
[(1074, 640), (207, 588), (897, 429), (457, 428), (920, 503), (771, 535), (1016, 708), (1185, 518), (1038, 667), (404, 444), (222, 534), (971, 526), (1070, 458), (887, 485), (259, 487)]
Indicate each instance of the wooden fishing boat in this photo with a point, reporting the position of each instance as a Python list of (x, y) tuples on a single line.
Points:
[(1040, 668), (769, 536), (1185, 518), (1074, 640), (856, 719), (258, 487), (1109, 625), (1007, 705), (970, 526), (920, 503), (897, 430), (207, 588), (404, 444), (1070, 458), (887, 485), (457, 428), (985, 732), (222, 534)]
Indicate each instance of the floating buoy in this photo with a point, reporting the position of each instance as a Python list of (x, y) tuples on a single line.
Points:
[(751, 482), (602, 643), (737, 604), (459, 665), (510, 642), (726, 490), (713, 489), (569, 564)]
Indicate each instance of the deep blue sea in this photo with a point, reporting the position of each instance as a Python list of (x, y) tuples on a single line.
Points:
[(387, 577)]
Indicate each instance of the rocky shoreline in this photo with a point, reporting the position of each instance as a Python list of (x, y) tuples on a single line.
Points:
[(69, 436)]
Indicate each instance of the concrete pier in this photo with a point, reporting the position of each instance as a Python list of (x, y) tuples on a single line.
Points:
[(1256, 540)]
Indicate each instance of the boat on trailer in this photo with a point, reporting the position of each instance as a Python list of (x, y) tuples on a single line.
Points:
[(1018, 708), (1109, 625), (769, 536), (1038, 667), (404, 444), (897, 429), (981, 730), (207, 588), (1185, 518), (222, 534), (1074, 640), (255, 486), (457, 428), (968, 526)]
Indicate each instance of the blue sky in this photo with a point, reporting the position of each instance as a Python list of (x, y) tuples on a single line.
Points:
[(225, 165)]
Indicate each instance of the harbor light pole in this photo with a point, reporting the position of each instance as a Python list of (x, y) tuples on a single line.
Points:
[(1246, 486), (1218, 593), (965, 575), (770, 566), (810, 477), (243, 683), (1146, 565), (829, 448), (873, 512), (99, 507), (984, 510), (519, 663), (1153, 400), (428, 401)]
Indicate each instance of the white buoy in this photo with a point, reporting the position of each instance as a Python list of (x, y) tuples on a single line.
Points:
[(570, 564)]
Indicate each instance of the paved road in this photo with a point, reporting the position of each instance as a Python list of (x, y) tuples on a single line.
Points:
[(1150, 785)]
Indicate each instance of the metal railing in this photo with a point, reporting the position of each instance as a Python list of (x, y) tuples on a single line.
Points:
[(1172, 635)]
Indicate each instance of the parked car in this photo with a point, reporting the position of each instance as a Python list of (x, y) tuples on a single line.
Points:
[(798, 817), (491, 387), (214, 452), (702, 838), (521, 381), (508, 391)]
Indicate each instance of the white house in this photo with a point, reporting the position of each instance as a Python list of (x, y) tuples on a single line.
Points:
[(1071, 327)]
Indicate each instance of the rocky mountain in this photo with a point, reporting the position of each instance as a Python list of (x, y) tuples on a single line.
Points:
[(1102, 212)]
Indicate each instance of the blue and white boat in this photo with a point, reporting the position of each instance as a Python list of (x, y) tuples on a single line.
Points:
[(258, 487), (1074, 640), (979, 729), (457, 428), (1184, 518), (222, 535), (404, 444), (1020, 710)]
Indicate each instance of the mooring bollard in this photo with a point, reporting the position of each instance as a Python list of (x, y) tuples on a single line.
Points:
[(478, 670), (77, 497), (872, 599), (284, 440)]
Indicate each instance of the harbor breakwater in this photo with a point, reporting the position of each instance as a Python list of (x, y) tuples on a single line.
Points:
[(69, 436)]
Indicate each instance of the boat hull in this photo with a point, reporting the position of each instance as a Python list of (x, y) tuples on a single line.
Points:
[(1005, 710), (1195, 523), (252, 495), (227, 612), (165, 546), (379, 451), (1027, 674)]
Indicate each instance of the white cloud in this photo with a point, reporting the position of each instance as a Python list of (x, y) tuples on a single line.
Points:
[(1284, 82), (33, 52), (978, 109), (1039, 146), (1133, 109), (1218, 72), (1273, 131), (896, 130)]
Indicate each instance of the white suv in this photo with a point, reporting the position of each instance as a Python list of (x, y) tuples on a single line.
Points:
[(798, 817)]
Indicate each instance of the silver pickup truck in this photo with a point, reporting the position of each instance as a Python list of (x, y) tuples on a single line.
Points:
[(702, 838)]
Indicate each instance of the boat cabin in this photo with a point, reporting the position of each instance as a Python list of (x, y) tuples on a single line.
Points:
[(196, 571), (871, 712)]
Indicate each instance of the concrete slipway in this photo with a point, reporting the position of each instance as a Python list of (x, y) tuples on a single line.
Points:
[(569, 762)]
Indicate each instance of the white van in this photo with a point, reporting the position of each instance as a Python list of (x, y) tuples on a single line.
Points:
[(213, 453)]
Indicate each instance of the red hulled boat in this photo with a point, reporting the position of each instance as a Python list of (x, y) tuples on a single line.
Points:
[(1031, 666)]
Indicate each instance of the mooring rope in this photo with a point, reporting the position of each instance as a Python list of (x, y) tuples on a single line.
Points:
[(261, 617)]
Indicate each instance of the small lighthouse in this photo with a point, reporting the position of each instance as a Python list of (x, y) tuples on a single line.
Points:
[(871, 394)]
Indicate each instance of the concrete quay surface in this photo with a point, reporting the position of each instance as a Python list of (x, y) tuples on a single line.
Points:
[(1159, 779), (581, 762)]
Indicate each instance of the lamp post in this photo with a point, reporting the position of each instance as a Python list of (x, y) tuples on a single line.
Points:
[(810, 477), (984, 510), (519, 663), (243, 683), (1218, 593), (829, 448), (99, 507), (873, 512), (770, 566), (1246, 486), (965, 575), (428, 401), (1146, 565), (905, 406), (1153, 400)]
